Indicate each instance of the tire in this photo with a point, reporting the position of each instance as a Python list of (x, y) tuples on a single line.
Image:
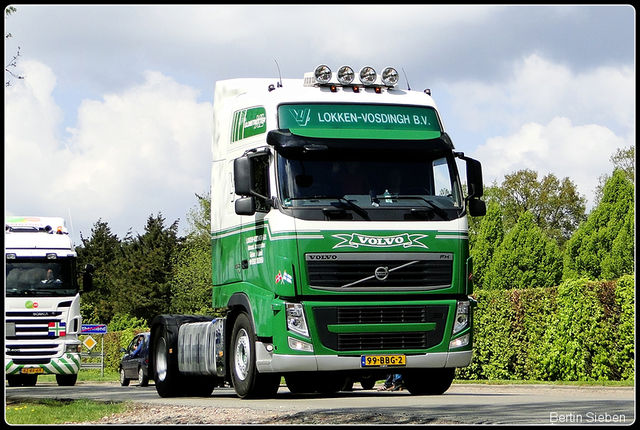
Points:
[(246, 380), (67, 380), (22, 380), (316, 382), (169, 381), (143, 380), (368, 382), (429, 381), (29, 380), (123, 381)]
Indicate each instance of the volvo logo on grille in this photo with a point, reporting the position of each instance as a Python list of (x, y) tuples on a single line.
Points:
[(381, 273), (322, 257)]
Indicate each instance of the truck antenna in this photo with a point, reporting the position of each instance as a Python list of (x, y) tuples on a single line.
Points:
[(405, 78), (279, 74)]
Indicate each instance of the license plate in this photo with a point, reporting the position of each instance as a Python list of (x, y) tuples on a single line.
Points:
[(383, 360), (32, 370)]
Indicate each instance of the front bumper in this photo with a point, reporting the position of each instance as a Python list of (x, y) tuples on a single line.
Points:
[(68, 364), (268, 362)]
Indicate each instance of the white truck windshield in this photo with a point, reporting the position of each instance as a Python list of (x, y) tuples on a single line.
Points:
[(40, 277)]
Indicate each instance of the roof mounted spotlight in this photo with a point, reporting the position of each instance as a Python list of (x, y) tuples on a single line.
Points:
[(322, 74), (390, 76), (368, 76), (345, 75)]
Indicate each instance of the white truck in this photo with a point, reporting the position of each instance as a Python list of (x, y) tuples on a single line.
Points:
[(339, 242), (42, 301)]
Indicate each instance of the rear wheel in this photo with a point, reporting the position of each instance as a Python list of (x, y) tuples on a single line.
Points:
[(246, 380), (429, 381), (169, 381), (143, 380)]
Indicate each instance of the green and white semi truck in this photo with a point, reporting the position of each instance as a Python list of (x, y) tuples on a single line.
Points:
[(339, 242), (42, 301)]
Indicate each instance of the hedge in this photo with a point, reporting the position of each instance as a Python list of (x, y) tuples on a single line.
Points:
[(579, 331)]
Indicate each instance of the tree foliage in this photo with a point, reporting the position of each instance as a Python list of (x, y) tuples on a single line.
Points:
[(192, 281), (603, 246), (526, 258), (556, 206)]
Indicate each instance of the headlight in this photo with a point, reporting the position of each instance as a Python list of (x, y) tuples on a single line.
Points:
[(390, 76), (462, 317), (345, 75), (73, 349), (322, 74), (296, 321), (368, 75)]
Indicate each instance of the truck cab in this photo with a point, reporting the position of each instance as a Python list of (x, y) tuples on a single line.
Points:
[(42, 301)]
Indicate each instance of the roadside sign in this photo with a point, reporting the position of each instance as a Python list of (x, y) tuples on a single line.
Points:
[(90, 342), (94, 329)]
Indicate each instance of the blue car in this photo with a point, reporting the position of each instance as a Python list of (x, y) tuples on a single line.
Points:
[(135, 361)]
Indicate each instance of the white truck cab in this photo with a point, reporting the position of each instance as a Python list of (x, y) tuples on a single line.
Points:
[(42, 301)]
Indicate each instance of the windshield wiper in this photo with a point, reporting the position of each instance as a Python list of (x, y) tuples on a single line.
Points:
[(443, 214), (357, 209)]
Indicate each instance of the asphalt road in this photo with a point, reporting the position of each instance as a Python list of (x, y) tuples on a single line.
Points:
[(462, 403)]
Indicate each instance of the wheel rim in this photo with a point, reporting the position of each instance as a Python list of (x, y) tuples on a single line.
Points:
[(242, 354), (161, 359)]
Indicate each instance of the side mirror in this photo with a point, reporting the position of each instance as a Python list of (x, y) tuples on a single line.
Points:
[(243, 176), (474, 178), (245, 206), (477, 207), (87, 278)]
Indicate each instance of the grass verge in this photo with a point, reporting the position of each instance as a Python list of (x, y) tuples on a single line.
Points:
[(49, 411)]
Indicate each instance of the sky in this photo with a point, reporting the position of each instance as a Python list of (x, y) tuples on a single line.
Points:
[(112, 120)]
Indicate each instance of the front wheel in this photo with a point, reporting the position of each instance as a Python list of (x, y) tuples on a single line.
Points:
[(429, 381), (66, 380), (123, 380), (246, 380)]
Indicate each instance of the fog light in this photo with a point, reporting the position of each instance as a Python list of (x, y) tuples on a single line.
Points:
[(460, 342), (300, 345)]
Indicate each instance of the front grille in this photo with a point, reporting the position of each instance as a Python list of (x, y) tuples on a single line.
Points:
[(376, 272), (33, 325), (356, 340)]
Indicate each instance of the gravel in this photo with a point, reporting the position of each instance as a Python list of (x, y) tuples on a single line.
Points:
[(153, 414)]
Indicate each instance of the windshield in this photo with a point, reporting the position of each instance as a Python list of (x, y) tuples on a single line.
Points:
[(41, 277), (370, 184)]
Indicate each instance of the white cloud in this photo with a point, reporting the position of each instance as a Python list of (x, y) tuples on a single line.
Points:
[(580, 153), (133, 154), (549, 119)]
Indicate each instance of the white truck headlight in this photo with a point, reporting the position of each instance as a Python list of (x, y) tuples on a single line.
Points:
[(462, 316), (296, 321)]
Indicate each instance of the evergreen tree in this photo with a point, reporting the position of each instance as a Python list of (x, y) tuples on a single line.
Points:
[(526, 258), (103, 250), (489, 237), (145, 274), (603, 245)]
